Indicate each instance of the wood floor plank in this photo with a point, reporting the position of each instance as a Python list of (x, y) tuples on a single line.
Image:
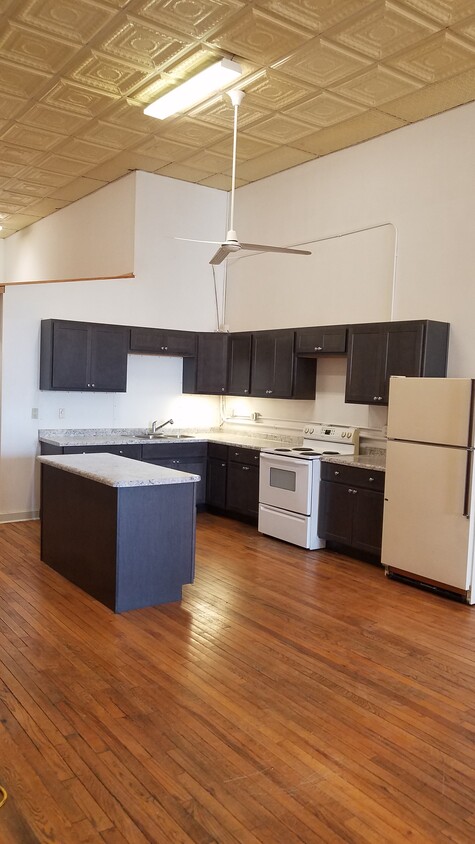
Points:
[(292, 696)]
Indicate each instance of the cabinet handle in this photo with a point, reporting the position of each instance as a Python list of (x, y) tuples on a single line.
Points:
[(245, 468), (120, 451), (318, 348), (222, 389), (246, 391), (371, 480), (223, 465), (93, 385), (353, 491), (336, 473)]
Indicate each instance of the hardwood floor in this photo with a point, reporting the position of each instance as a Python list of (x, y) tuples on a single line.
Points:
[(293, 696)]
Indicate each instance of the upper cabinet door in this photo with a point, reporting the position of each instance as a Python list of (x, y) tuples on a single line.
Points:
[(321, 340), (239, 364), (108, 362), (207, 372), (69, 362), (158, 341), (366, 364), (272, 364)]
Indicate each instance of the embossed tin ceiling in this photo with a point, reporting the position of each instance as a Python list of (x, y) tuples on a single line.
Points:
[(319, 75)]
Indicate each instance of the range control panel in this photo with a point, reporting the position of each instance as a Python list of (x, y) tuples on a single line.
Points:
[(331, 433)]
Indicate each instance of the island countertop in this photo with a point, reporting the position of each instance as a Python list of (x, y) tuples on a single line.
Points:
[(116, 471)]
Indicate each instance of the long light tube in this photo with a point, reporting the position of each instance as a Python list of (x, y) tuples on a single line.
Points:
[(197, 88)]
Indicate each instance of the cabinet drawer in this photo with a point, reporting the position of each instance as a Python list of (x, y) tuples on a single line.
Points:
[(132, 451), (218, 451), (244, 455), (353, 475), (159, 451)]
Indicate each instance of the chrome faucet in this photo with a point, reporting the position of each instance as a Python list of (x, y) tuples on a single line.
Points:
[(156, 427)]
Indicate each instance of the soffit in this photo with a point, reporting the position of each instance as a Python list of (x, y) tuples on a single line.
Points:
[(319, 76)]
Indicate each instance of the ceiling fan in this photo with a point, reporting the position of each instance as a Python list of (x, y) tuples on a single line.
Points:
[(232, 244)]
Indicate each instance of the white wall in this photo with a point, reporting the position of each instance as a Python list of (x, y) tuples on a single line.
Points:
[(91, 238), (418, 179), (171, 290)]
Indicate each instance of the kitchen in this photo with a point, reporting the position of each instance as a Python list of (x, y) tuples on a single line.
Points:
[(422, 268)]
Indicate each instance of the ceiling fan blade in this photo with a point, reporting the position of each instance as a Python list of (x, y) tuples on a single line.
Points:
[(193, 240), (259, 247), (223, 252)]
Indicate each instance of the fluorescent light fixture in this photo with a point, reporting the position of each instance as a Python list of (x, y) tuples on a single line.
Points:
[(194, 90)]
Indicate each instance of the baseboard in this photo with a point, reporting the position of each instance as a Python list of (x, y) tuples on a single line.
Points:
[(19, 517)]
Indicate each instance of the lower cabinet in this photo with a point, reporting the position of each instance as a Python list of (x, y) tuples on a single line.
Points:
[(184, 457), (233, 480), (351, 506)]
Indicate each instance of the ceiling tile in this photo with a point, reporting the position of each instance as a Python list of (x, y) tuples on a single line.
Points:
[(108, 73), (82, 150), (258, 37), (35, 49), (66, 166), (213, 162), (30, 188), (115, 137), (322, 63), (128, 115), (221, 112), (280, 129), (192, 17), (111, 170), (383, 29), (78, 99), (180, 171), (11, 106), (45, 177), (361, 128), (446, 12), (437, 59), (21, 82), (18, 155), (247, 147), (377, 85), (163, 148), (271, 163), (273, 91), (34, 138), (9, 168), (324, 110), (188, 131), (221, 182), (466, 28), (13, 198), (434, 98), (53, 119), (17, 221), (67, 18), (142, 45), (77, 189), (317, 15)]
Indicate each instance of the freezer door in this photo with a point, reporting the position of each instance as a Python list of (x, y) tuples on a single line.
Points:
[(432, 410), (424, 529)]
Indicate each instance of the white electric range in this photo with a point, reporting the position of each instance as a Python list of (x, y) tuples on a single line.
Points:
[(289, 481)]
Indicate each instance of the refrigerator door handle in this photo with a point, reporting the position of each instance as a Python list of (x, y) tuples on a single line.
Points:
[(468, 484)]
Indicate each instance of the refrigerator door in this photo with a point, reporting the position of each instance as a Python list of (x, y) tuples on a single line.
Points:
[(424, 530), (431, 410)]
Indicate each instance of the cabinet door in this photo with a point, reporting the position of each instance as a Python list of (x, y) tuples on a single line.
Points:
[(272, 364), (366, 364), (335, 512), (158, 341), (108, 369), (239, 364), (367, 528), (325, 339), (194, 466), (212, 361), (216, 483), (404, 353), (242, 493), (70, 356)]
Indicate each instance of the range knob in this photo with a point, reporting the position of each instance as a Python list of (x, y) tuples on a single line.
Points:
[(343, 433)]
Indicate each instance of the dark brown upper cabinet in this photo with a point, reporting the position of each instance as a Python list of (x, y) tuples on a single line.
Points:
[(378, 350), (321, 340), (81, 356), (207, 373), (159, 341), (275, 370), (239, 364)]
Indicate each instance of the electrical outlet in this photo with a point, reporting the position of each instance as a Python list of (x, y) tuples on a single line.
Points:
[(34, 413), (61, 412)]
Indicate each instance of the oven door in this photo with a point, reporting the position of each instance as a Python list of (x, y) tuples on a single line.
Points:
[(286, 482)]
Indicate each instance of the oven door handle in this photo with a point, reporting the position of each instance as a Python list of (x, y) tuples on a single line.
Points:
[(284, 462)]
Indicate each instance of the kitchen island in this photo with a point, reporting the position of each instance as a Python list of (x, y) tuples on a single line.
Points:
[(121, 530)]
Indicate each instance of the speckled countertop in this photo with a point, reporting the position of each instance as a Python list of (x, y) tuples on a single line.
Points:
[(112, 470), (92, 436), (377, 462)]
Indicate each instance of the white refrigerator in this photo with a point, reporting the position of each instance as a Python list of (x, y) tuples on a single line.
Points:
[(429, 487)]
